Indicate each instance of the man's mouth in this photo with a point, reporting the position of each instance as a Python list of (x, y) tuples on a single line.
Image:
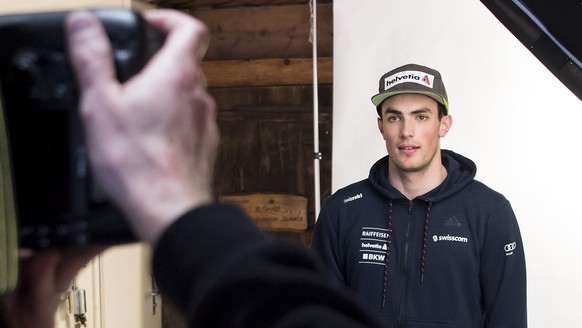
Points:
[(408, 147)]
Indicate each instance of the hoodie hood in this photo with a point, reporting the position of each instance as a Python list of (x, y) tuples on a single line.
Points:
[(460, 172)]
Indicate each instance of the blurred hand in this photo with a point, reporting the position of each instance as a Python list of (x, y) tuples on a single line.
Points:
[(43, 278), (152, 140)]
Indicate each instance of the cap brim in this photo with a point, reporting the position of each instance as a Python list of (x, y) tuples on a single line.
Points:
[(379, 98)]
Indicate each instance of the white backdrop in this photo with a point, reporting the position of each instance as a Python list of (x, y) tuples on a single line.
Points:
[(510, 115)]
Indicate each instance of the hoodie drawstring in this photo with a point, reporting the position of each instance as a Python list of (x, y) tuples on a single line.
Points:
[(389, 242), (424, 243), (387, 257)]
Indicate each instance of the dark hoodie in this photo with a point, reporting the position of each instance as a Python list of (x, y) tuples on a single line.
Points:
[(452, 257)]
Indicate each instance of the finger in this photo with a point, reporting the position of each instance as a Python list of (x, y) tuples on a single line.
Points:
[(71, 263), (206, 128), (34, 302), (183, 31), (89, 49), (38, 274), (186, 42), (25, 253), (205, 115), (185, 38)]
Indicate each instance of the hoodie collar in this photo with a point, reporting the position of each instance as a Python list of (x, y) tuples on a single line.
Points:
[(460, 171)]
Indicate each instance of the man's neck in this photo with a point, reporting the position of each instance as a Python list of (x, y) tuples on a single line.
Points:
[(414, 184)]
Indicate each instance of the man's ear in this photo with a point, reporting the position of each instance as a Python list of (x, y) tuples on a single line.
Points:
[(445, 125)]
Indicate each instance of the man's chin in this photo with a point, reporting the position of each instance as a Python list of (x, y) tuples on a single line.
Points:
[(411, 167)]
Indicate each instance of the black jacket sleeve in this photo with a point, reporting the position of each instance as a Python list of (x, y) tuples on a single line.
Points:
[(503, 271), (221, 271)]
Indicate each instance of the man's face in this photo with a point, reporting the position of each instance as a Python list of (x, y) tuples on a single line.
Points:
[(412, 130)]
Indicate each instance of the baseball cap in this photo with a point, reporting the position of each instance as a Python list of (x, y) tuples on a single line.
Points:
[(412, 78)]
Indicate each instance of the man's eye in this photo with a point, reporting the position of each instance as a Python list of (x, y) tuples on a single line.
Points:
[(392, 118), (422, 117)]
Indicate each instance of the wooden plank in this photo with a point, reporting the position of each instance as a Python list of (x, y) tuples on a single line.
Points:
[(243, 98), (273, 212), (266, 72), (266, 32)]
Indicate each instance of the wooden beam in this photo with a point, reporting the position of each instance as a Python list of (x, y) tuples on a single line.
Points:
[(266, 72), (293, 97), (267, 32)]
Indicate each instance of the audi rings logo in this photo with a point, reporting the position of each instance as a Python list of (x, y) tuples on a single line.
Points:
[(509, 248)]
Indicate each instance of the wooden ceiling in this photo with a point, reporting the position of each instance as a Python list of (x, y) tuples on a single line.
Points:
[(216, 4)]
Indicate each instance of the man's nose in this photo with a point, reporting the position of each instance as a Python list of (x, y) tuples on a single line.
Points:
[(407, 129)]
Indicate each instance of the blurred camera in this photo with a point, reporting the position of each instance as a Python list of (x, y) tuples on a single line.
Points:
[(47, 182)]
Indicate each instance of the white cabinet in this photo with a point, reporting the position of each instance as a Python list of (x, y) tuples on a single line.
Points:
[(118, 289)]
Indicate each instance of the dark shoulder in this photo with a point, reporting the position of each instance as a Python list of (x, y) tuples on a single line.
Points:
[(484, 194)]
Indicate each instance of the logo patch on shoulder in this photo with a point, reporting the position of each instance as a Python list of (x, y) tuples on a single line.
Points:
[(351, 199)]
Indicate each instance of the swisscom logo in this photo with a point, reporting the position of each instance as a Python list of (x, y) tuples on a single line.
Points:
[(419, 77), (436, 238)]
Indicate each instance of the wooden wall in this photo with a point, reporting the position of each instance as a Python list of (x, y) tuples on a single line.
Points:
[(259, 69)]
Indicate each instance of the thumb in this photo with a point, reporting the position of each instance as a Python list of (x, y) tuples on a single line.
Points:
[(89, 49)]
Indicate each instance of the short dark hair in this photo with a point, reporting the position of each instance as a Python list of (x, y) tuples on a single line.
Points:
[(442, 110)]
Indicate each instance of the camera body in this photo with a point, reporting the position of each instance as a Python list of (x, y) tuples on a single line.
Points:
[(56, 202)]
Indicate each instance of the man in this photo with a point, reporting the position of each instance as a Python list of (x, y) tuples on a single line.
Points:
[(421, 241), (151, 144)]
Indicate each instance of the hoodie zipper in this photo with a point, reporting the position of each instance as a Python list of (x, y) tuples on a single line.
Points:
[(406, 268)]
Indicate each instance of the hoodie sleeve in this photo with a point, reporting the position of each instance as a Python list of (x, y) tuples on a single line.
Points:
[(503, 274), (221, 271), (325, 244)]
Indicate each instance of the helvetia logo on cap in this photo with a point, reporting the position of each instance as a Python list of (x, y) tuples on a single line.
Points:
[(419, 77)]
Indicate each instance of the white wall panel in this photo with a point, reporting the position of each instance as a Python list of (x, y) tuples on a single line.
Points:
[(511, 116)]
